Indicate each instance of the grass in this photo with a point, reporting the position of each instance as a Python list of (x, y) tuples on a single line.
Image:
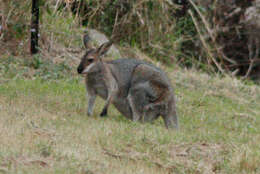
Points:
[(44, 129)]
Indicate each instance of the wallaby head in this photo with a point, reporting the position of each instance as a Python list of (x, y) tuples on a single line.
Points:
[(92, 56)]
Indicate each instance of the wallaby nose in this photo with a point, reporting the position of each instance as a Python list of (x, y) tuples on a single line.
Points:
[(80, 69)]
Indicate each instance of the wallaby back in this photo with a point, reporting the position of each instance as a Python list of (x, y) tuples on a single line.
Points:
[(123, 72)]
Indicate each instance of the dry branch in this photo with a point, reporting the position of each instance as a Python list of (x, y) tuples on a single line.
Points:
[(204, 43), (211, 34)]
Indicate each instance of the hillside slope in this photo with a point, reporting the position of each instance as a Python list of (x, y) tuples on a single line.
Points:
[(44, 128)]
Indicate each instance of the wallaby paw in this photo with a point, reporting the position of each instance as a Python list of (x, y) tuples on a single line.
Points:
[(103, 113)]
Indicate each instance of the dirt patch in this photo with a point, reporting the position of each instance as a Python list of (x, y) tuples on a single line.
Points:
[(26, 161), (203, 157)]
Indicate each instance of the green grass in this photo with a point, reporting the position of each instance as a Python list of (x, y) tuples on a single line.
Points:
[(44, 129)]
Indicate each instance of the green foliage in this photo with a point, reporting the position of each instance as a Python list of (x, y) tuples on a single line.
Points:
[(36, 66), (17, 14)]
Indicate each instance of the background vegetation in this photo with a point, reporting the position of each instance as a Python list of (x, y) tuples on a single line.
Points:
[(215, 36)]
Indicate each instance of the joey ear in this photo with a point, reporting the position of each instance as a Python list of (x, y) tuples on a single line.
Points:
[(86, 40), (104, 48)]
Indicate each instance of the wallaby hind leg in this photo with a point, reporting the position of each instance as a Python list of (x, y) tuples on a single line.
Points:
[(111, 95), (138, 100), (112, 91), (108, 101), (149, 82)]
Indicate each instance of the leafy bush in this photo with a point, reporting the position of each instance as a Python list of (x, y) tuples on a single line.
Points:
[(36, 66)]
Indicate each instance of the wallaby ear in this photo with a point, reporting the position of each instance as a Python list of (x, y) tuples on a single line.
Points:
[(86, 40), (104, 48)]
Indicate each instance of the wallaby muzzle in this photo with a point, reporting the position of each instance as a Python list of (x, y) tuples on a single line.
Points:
[(80, 69)]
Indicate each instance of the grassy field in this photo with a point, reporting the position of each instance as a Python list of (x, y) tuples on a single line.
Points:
[(44, 129)]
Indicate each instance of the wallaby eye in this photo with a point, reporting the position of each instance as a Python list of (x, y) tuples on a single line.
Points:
[(90, 60)]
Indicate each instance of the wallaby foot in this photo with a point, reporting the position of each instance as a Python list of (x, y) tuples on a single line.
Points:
[(104, 113)]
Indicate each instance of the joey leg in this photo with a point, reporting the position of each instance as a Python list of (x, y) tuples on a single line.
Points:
[(136, 115)]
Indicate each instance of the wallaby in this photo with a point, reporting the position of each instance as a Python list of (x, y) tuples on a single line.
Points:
[(140, 91)]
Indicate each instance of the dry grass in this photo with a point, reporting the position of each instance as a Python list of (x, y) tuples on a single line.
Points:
[(44, 129), (31, 141)]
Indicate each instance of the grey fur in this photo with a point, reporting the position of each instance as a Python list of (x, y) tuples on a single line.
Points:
[(140, 91)]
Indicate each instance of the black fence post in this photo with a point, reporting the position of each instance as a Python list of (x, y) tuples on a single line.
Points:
[(35, 26)]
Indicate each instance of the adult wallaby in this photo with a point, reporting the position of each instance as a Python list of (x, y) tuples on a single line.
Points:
[(140, 91)]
